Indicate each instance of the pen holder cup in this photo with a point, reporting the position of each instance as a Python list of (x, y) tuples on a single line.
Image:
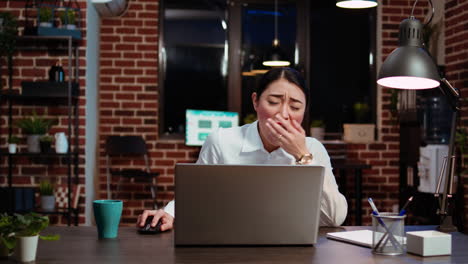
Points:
[(388, 236)]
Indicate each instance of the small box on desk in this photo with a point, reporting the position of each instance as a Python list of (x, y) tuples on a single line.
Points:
[(429, 243), (48, 89)]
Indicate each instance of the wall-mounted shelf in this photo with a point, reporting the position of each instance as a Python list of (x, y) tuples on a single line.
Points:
[(48, 94)]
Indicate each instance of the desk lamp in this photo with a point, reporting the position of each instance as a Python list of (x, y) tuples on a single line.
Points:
[(410, 66)]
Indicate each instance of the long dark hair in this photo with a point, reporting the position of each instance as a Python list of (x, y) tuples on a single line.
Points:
[(291, 75)]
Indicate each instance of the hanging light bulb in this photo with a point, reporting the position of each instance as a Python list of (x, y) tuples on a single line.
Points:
[(276, 57), (356, 4)]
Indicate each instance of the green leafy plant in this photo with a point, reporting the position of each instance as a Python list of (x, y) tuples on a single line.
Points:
[(361, 112), (46, 138), (46, 188), (35, 125), (45, 14), (67, 17), (317, 123), (13, 140), (7, 231), (250, 118), (32, 224), (8, 33)]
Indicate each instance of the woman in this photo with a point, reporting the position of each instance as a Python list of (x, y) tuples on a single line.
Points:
[(276, 138)]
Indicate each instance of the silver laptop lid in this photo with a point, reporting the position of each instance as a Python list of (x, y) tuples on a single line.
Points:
[(247, 204)]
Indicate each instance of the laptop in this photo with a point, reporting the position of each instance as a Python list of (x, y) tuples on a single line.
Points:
[(247, 204)]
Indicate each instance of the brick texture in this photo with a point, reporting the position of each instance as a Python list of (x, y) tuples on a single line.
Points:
[(129, 103), (381, 181), (129, 100), (33, 65), (456, 57)]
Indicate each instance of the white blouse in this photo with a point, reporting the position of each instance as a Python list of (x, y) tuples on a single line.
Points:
[(243, 145)]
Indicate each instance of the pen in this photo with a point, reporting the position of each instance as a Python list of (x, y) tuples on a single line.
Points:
[(374, 208), (403, 209), (395, 243), (402, 212)]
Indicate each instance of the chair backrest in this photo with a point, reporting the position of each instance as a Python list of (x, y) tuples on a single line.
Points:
[(125, 145)]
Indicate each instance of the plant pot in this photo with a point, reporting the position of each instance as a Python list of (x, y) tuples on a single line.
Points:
[(26, 248), (69, 26), (45, 24), (33, 144), (45, 146), (48, 203), (12, 148), (317, 132)]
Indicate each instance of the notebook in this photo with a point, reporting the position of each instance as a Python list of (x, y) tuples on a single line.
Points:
[(247, 204), (357, 237)]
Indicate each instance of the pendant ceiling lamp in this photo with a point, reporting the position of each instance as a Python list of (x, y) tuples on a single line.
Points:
[(276, 57), (356, 4)]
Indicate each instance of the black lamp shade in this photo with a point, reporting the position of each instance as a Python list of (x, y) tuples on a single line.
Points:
[(409, 66), (276, 57)]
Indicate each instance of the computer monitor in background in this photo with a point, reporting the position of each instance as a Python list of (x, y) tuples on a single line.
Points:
[(200, 123)]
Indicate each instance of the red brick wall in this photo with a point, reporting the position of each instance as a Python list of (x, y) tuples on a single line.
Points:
[(128, 102), (456, 57), (34, 66), (382, 180), (128, 105)]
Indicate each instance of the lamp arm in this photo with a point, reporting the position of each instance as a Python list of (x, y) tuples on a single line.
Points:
[(452, 94), (452, 89), (453, 97)]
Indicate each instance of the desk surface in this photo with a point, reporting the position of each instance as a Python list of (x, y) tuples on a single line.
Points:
[(80, 245)]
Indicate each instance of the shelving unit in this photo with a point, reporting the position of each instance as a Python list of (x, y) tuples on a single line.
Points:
[(51, 43)]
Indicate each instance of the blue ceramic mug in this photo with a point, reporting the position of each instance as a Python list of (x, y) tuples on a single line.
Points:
[(107, 214)]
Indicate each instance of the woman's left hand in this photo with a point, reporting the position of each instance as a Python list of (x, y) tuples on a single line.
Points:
[(289, 134)]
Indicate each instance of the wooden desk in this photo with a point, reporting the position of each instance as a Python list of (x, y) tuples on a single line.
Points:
[(80, 245)]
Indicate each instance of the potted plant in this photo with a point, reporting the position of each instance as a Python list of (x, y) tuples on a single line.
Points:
[(67, 18), (8, 34), (360, 132), (250, 118), (12, 144), (361, 112), (7, 235), (34, 126), (27, 228), (46, 190), (45, 17), (317, 129), (45, 143)]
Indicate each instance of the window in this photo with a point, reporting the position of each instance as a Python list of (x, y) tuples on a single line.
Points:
[(342, 64), (194, 60), (334, 48)]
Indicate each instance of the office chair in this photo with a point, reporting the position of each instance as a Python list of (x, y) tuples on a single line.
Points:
[(133, 146)]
